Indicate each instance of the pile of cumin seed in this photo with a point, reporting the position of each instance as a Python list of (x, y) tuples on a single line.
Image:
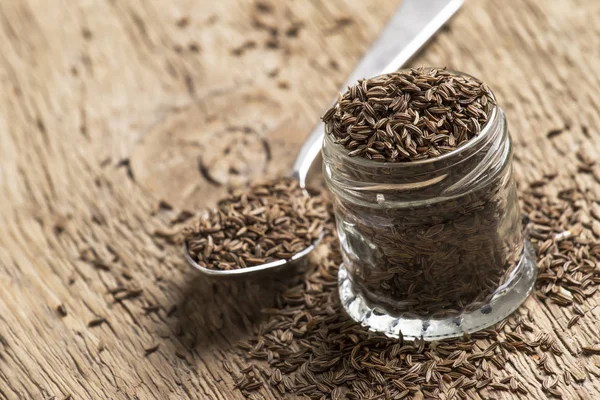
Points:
[(269, 221), (309, 347), (409, 115)]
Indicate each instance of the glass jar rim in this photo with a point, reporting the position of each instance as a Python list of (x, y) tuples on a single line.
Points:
[(365, 162)]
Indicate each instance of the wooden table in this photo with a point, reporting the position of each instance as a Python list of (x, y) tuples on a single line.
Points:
[(117, 114)]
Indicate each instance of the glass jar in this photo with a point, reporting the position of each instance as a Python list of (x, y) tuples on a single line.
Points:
[(431, 248)]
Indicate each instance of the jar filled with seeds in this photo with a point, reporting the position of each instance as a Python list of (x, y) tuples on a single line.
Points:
[(419, 164)]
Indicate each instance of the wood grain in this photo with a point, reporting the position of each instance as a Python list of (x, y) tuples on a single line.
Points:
[(117, 114)]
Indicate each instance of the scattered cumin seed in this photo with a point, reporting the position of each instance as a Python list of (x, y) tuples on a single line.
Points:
[(101, 265), (151, 309), (263, 7), (117, 290), (172, 310), (591, 349), (128, 294), (62, 310), (227, 366), (183, 22), (554, 132), (164, 205), (151, 349), (574, 319), (96, 322), (499, 386)]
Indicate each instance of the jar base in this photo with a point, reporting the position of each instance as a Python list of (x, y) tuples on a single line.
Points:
[(498, 308)]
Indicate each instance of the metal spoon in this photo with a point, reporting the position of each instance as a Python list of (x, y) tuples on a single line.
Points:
[(411, 26)]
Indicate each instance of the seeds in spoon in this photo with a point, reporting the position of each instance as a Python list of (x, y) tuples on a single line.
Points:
[(269, 221)]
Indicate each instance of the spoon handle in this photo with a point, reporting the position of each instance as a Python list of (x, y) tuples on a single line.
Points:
[(411, 26)]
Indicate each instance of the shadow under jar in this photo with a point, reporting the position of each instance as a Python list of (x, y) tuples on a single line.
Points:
[(432, 248)]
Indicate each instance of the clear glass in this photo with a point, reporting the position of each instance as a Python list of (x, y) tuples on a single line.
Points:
[(431, 248)]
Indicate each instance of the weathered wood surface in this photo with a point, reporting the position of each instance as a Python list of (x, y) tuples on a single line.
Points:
[(108, 107)]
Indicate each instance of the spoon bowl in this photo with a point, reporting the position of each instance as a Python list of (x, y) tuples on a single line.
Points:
[(297, 261)]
